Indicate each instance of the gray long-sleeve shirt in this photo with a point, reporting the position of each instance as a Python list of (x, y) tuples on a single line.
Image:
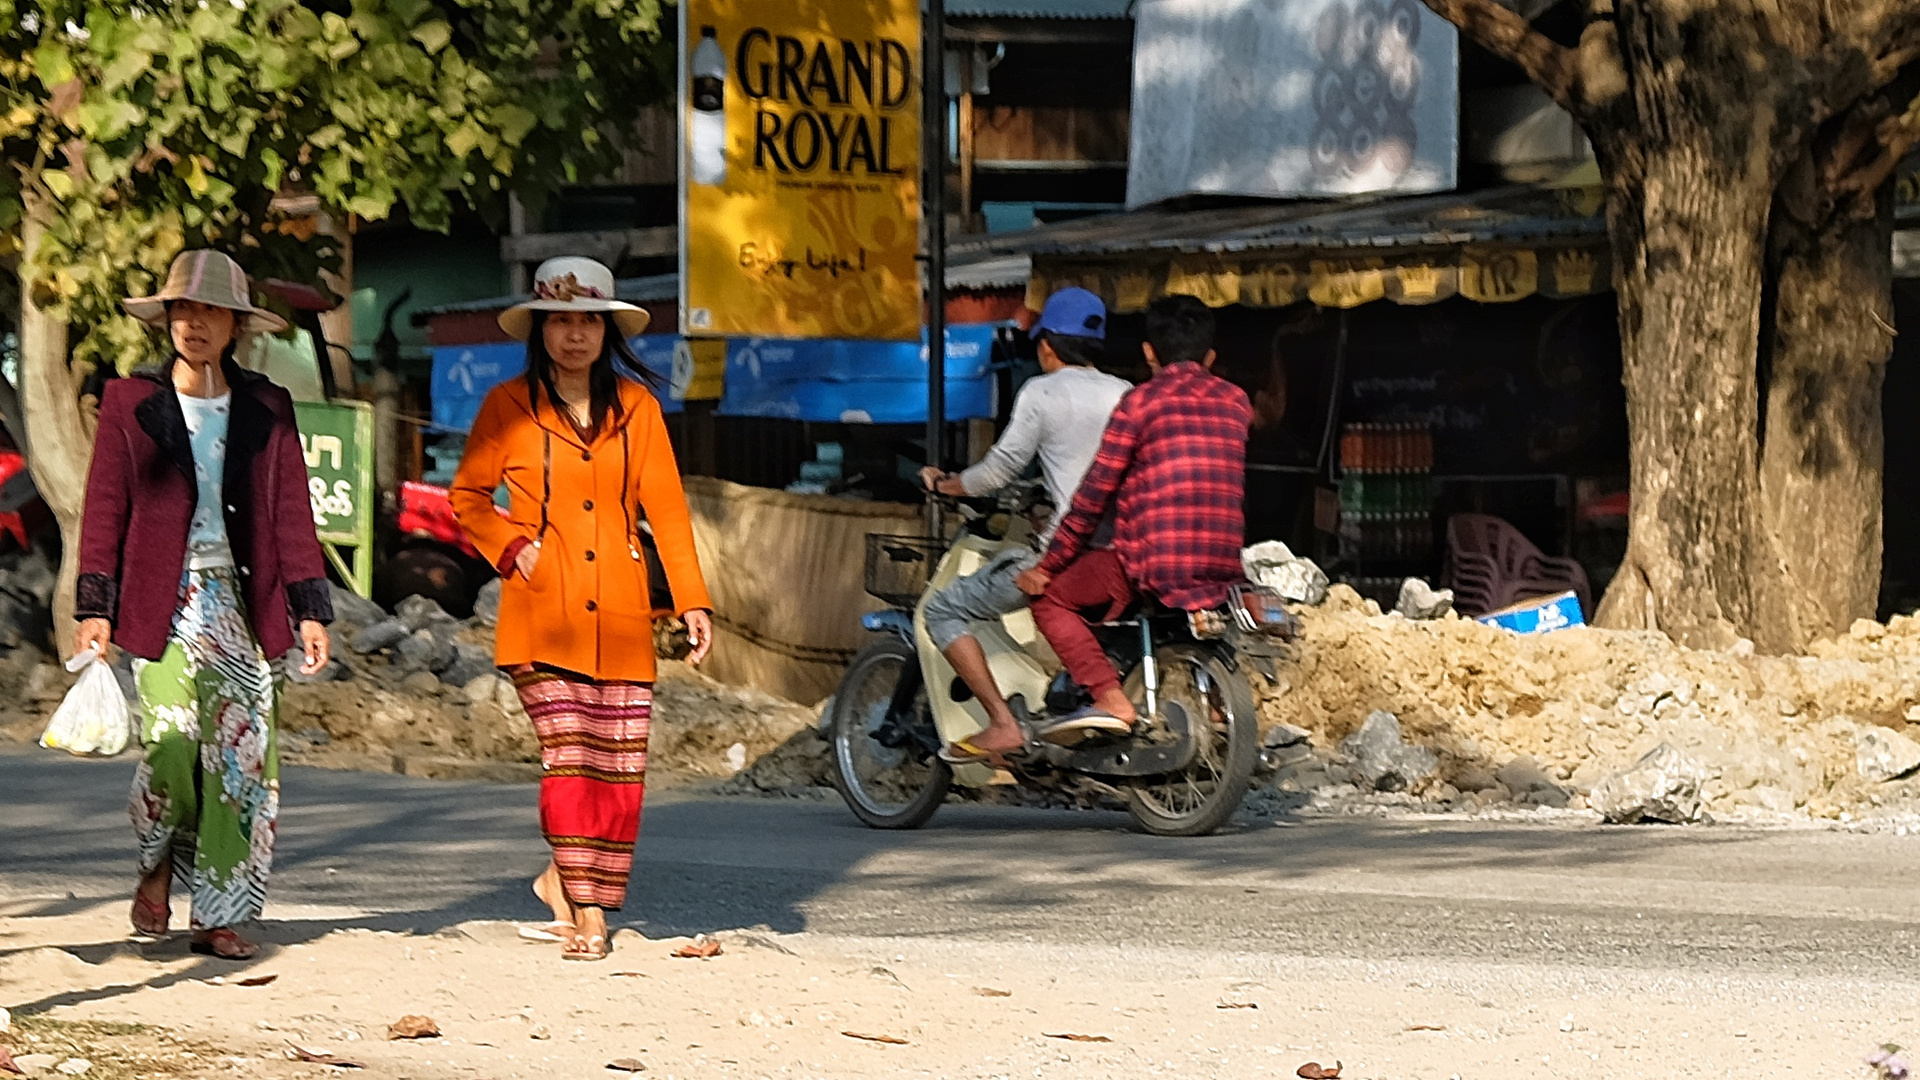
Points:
[(1059, 417)]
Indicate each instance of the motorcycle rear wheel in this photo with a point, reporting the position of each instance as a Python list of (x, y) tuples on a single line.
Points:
[(1201, 798), (886, 787)]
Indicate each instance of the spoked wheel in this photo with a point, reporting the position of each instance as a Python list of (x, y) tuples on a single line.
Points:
[(879, 719), (1199, 691)]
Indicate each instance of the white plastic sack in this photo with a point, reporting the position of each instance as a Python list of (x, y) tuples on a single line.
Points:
[(93, 718)]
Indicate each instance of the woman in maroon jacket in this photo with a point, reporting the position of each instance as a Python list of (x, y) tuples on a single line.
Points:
[(198, 556)]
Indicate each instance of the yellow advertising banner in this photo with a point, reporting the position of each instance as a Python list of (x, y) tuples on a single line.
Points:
[(801, 168)]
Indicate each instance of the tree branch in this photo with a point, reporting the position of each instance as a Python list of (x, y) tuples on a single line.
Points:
[(1553, 67), (1898, 135)]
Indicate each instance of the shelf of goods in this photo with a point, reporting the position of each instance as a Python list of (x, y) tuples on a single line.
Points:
[(1386, 507)]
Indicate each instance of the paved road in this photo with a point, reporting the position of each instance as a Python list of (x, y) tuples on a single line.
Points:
[(421, 855)]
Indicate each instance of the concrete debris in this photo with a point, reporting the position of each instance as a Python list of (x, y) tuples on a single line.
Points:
[(351, 611), (1664, 785), (470, 662), (418, 613), (1882, 755), (1528, 783), (1283, 734), (1274, 565), (1418, 600), (1384, 759), (423, 650), (486, 606), (378, 637)]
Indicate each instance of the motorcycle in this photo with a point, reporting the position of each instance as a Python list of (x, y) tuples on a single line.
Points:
[(1181, 771)]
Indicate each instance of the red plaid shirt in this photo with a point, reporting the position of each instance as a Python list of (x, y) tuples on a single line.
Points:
[(1173, 469)]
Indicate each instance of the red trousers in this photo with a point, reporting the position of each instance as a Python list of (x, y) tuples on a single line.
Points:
[(1092, 589)]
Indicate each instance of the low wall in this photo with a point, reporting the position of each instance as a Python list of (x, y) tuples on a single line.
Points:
[(787, 577)]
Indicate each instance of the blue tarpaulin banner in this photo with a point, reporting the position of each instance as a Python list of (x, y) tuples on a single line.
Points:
[(462, 375), (869, 382)]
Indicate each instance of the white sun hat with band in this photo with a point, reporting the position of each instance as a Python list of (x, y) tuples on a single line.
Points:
[(212, 278), (573, 283)]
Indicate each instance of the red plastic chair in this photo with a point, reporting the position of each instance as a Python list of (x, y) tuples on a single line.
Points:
[(1490, 565)]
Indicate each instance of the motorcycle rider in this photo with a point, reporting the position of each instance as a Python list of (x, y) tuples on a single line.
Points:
[(1057, 416), (1171, 469)]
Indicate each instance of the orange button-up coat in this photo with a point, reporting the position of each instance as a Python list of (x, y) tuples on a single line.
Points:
[(587, 607)]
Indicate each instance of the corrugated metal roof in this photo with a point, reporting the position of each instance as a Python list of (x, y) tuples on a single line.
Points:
[(1509, 215), (1039, 9)]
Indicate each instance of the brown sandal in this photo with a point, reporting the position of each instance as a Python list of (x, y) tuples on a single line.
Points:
[(225, 944), (157, 916)]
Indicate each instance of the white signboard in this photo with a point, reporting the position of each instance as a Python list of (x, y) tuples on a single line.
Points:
[(1292, 98)]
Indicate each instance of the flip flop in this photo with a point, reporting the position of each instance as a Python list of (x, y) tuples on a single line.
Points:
[(553, 933), (241, 948), (591, 953), (1084, 722), (964, 752)]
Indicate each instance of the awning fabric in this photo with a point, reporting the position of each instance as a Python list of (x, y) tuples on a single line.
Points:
[(1487, 274)]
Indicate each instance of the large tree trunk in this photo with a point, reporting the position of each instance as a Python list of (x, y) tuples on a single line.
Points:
[(1822, 447), (1688, 222), (59, 448)]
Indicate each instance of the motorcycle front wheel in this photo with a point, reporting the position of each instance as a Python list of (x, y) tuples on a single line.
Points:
[(1217, 704), (889, 779)]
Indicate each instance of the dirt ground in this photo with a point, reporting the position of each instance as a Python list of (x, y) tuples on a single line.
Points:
[(800, 1005)]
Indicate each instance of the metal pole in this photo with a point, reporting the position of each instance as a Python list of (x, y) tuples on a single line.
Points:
[(934, 94)]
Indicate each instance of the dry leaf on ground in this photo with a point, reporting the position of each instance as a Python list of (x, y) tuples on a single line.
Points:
[(1313, 1070), (630, 975), (256, 980), (414, 1027), (888, 1039), (1070, 1037), (988, 991), (702, 948), (7, 1065), (627, 1065), (301, 1053)]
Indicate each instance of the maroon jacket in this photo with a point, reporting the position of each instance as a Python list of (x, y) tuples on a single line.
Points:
[(140, 502)]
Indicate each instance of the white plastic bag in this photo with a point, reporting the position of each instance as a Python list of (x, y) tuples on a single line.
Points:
[(93, 718)]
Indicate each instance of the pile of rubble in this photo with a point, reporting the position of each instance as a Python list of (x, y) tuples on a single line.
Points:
[(1457, 713), (1369, 709), (416, 692)]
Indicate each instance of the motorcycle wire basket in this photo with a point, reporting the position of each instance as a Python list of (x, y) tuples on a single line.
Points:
[(898, 567)]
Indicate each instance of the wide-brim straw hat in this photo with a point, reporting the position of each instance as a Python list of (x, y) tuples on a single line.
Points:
[(573, 283), (209, 277)]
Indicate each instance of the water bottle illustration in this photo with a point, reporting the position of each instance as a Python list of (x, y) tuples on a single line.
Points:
[(707, 129)]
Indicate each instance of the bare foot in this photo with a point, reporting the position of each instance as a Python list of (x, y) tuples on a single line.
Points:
[(554, 894), (591, 940), (151, 907), (1003, 734), (1117, 704)]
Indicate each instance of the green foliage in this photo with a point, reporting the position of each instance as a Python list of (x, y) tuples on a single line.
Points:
[(152, 126)]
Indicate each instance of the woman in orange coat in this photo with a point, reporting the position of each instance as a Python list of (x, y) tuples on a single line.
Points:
[(586, 461)]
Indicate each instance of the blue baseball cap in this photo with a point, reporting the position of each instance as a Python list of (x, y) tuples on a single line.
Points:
[(1072, 312)]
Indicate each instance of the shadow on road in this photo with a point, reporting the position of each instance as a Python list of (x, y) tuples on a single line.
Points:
[(384, 852)]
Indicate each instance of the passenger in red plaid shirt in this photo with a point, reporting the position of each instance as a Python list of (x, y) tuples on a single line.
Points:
[(1171, 477)]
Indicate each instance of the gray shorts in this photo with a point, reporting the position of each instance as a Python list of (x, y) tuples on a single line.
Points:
[(982, 596)]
